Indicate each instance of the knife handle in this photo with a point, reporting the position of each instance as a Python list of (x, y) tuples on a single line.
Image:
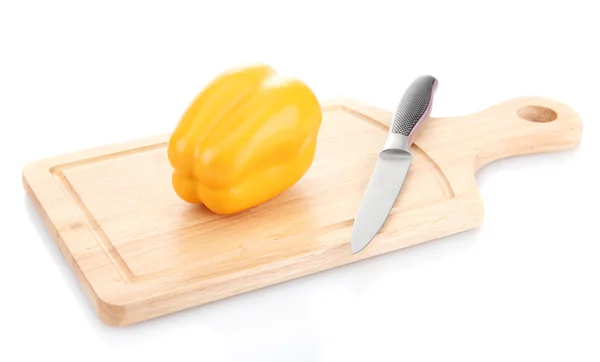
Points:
[(414, 107)]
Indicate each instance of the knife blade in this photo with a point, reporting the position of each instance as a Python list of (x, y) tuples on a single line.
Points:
[(393, 162)]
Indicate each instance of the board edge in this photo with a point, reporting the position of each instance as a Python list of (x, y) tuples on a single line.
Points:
[(111, 314)]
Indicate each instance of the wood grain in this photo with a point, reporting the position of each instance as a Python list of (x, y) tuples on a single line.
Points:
[(140, 252)]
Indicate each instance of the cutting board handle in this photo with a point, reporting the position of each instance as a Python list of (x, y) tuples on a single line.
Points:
[(519, 126), (522, 126)]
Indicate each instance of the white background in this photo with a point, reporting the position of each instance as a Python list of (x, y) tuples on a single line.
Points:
[(523, 287)]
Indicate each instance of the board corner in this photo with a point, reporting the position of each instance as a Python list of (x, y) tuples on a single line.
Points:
[(110, 311)]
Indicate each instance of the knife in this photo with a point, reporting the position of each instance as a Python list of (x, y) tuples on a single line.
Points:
[(393, 162)]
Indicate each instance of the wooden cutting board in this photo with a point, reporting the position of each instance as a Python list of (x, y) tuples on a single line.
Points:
[(140, 252)]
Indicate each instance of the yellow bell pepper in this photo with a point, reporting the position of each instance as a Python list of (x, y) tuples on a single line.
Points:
[(249, 135)]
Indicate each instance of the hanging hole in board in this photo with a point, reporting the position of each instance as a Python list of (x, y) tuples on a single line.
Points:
[(537, 114)]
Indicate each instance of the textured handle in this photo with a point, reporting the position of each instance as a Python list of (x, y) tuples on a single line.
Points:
[(414, 106)]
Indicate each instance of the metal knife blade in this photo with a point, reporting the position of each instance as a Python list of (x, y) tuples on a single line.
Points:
[(393, 163)]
